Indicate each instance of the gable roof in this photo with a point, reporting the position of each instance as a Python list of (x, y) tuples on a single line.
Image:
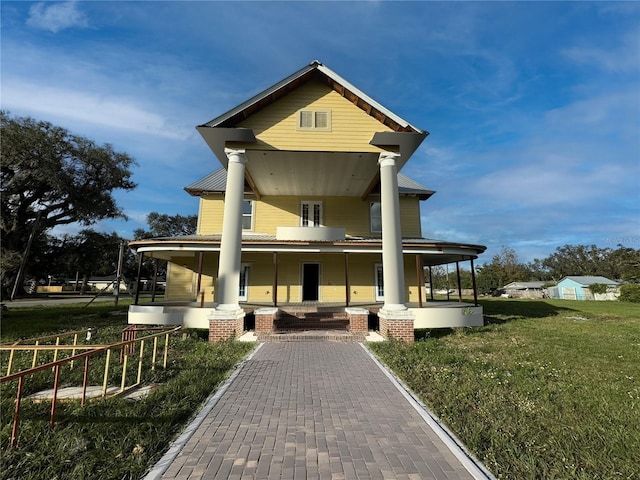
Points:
[(314, 70), (279, 171), (216, 182), (585, 281)]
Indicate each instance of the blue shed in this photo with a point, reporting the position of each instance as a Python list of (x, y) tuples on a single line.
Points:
[(577, 287)]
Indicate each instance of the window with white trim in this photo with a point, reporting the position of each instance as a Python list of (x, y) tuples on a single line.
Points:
[(375, 211), (310, 214), (379, 283), (319, 120), (243, 291), (247, 214)]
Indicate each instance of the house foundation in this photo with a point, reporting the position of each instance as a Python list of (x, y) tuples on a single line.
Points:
[(225, 324), (397, 324), (265, 319), (358, 320)]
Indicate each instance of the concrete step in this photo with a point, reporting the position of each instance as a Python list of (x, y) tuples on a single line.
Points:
[(315, 324)]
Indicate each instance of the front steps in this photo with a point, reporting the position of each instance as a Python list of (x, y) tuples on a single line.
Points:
[(303, 325), (316, 320)]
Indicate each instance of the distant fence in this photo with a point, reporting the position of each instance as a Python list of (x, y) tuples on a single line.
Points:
[(54, 288)]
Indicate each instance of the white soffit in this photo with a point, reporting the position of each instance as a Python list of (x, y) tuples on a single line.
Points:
[(311, 173)]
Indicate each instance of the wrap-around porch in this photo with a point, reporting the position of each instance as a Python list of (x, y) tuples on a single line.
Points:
[(346, 292)]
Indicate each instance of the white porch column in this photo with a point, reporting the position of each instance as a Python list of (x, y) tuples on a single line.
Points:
[(231, 243), (395, 319), (392, 264)]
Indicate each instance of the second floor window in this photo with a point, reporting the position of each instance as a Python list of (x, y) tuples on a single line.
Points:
[(319, 120), (247, 214), (311, 214), (376, 217)]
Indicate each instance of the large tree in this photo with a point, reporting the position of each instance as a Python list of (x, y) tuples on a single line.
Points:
[(580, 260), (505, 267), (52, 177), (163, 225), (86, 255)]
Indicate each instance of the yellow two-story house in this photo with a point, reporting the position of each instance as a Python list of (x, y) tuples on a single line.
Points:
[(307, 208)]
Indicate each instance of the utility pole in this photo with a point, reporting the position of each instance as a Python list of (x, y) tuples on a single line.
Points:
[(119, 273), (23, 261)]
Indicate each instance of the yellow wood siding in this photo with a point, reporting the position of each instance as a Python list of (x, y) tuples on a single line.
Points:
[(332, 277), (272, 212), (261, 275), (410, 217), (275, 126), (362, 274), (349, 213), (180, 283), (411, 279), (210, 214), (182, 279), (208, 282)]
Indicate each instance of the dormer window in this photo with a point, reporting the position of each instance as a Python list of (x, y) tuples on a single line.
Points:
[(318, 120)]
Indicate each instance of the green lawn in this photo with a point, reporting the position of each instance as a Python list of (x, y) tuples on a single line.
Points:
[(548, 389), (112, 438)]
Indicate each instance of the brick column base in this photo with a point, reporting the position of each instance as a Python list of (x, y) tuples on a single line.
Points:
[(265, 318), (224, 325), (358, 319), (397, 324)]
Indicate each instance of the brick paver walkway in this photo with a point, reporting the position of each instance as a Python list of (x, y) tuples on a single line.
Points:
[(314, 410)]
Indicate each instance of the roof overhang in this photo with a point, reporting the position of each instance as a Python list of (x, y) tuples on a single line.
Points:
[(217, 139), (433, 252), (313, 173)]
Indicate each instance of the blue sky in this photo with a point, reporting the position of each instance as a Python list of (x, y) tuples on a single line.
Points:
[(533, 108)]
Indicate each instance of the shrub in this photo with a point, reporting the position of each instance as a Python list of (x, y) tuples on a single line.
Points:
[(598, 288), (630, 293)]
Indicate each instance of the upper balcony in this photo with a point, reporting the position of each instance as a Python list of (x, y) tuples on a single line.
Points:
[(311, 234)]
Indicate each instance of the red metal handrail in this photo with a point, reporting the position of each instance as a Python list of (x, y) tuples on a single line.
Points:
[(92, 351)]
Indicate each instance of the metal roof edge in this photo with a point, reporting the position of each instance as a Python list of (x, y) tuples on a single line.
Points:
[(265, 93), (345, 83)]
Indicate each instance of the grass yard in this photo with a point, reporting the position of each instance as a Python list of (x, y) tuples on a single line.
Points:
[(547, 390), (112, 438)]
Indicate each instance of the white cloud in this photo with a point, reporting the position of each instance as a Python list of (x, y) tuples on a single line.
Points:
[(56, 16), (556, 181), (619, 58), (87, 107), (617, 112)]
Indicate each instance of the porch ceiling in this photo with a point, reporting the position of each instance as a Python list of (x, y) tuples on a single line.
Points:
[(301, 173)]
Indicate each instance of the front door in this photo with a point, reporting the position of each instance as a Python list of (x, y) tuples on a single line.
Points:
[(310, 281)]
